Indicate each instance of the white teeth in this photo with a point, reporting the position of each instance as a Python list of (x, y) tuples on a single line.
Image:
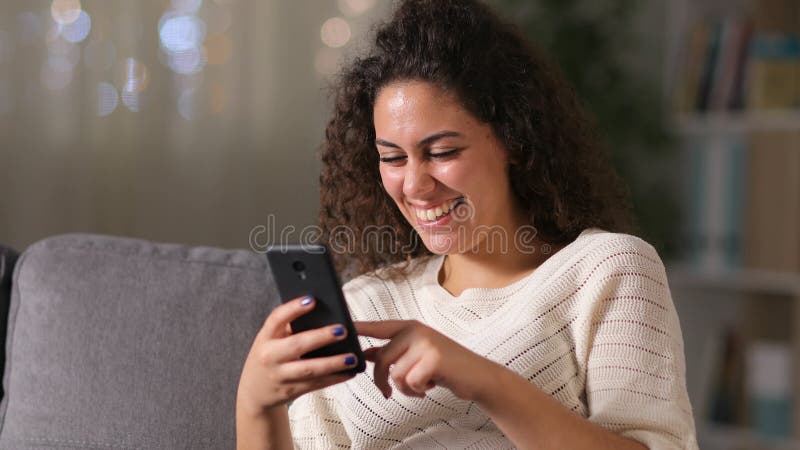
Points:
[(439, 211)]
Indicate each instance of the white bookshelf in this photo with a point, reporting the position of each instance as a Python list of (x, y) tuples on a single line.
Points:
[(707, 303), (709, 300), (722, 123), (738, 438), (739, 280)]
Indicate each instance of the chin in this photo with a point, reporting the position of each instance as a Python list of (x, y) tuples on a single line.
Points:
[(445, 244)]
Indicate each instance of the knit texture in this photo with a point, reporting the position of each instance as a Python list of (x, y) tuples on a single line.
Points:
[(594, 326)]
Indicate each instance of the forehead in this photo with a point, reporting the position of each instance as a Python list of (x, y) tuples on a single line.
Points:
[(418, 105)]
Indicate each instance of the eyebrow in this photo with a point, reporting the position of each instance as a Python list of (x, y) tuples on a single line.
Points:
[(427, 141)]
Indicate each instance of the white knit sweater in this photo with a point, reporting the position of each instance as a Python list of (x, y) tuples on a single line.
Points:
[(594, 326)]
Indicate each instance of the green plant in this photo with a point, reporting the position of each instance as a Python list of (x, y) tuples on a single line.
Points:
[(590, 41)]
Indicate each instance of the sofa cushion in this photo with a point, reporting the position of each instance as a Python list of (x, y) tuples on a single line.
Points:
[(123, 343), (8, 258)]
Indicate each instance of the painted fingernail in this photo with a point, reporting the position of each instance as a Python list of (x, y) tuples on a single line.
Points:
[(350, 360), (338, 331), (307, 300)]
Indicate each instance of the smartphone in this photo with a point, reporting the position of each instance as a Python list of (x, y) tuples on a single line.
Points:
[(301, 270)]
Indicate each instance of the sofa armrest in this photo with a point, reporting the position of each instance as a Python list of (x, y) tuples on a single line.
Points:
[(124, 343), (8, 259)]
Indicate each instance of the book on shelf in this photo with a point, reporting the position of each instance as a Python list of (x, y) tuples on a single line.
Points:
[(727, 404), (717, 171), (772, 218), (775, 53), (751, 384), (768, 375), (742, 61), (711, 62), (774, 72), (743, 201)]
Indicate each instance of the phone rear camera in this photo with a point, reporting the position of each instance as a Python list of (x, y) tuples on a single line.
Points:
[(299, 266)]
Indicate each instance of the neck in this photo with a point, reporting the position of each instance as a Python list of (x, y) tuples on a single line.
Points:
[(490, 269)]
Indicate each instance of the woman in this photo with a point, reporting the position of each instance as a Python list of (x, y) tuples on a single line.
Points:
[(526, 317)]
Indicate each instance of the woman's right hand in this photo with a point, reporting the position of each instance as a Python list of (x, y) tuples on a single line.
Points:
[(274, 374)]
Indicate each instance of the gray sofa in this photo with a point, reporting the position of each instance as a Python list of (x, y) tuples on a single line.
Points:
[(117, 343)]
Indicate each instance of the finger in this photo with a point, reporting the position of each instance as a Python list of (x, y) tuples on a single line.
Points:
[(399, 371), (378, 373), (308, 369), (371, 353), (385, 329), (420, 377), (277, 321), (293, 347), (384, 358)]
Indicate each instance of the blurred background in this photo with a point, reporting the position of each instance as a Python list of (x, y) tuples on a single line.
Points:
[(182, 121), (196, 121)]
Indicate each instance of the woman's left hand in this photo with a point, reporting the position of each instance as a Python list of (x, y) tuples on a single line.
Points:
[(421, 358)]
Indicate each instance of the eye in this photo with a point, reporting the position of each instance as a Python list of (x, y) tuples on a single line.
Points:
[(391, 159), (444, 154)]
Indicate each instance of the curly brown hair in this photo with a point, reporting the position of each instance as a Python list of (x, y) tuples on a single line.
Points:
[(559, 167)]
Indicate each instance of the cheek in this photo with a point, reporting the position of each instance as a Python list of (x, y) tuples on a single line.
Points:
[(392, 182), (455, 177)]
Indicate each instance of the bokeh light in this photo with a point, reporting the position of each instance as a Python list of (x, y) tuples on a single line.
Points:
[(64, 12), (191, 34), (53, 34), (181, 33), (77, 30), (134, 75), (354, 8), (335, 32), (187, 61), (107, 99), (131, 100)]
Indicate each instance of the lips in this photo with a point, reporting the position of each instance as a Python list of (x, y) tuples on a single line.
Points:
[(433, 215)]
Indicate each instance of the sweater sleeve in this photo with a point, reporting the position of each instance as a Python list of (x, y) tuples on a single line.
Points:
[(315, 424), (635, 371)]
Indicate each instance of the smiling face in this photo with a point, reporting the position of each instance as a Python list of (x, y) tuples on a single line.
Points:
[(445, 170)]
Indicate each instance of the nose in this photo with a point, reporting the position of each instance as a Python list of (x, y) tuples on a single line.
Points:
[(418, 181)]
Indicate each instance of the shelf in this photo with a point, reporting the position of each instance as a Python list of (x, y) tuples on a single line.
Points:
[(737, 122), (712, 437), (740, 280)]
